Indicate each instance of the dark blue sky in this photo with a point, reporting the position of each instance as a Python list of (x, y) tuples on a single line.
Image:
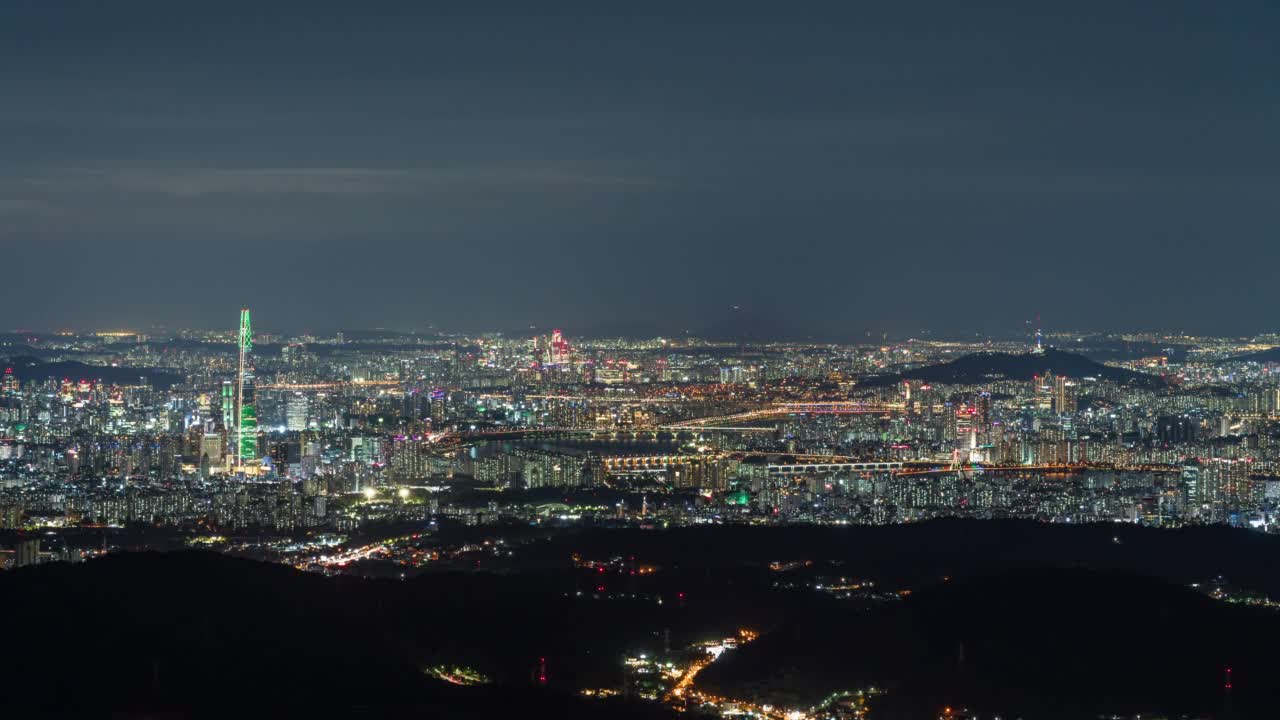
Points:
[(828, 167)]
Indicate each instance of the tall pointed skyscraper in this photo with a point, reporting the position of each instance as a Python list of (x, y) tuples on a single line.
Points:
[(246, 433)]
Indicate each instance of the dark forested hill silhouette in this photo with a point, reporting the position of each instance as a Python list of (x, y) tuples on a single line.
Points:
[(28, 368), (1270, 355), (203, 635), (1060, 643), (1099, 616), (979, 368)]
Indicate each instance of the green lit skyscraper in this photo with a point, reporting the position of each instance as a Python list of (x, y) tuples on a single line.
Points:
[(246, 434)]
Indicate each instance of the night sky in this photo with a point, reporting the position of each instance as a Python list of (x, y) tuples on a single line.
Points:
[(829, 168)]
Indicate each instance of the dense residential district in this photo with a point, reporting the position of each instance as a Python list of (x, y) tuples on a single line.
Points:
[(238, 434)]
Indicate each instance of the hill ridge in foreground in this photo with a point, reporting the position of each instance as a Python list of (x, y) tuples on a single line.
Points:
[(165, 632), (198, 634), (1037, 643)]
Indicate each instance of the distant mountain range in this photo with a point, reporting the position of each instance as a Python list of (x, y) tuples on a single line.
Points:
[(1270, 355), (984, 367), (28, 368), (1104, 350)]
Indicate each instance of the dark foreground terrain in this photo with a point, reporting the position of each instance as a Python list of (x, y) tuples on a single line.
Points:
[(1028, 620), (1042, 643)]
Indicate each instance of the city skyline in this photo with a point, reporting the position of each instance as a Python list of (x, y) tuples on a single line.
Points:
[(659, 491), (911, 360)]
